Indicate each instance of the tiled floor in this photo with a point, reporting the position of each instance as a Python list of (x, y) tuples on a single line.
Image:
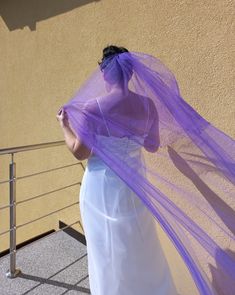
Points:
[(55, 265)]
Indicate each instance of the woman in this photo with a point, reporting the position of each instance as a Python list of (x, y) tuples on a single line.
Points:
[(124, 254), (122, 119)]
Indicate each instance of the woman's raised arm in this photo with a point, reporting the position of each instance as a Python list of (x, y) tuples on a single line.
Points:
[(74, 144)]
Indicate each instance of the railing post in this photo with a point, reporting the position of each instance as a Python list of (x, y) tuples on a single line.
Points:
[(12, 272)]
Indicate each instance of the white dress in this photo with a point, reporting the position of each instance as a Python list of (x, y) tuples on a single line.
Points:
[(123, 251)]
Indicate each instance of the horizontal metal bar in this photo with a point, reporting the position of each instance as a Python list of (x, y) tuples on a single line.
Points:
[(7, 231), (81, 225), (6, 206), (50, 192), (30, 147), (4, 181), (41, 195), (48, 170), (43, 171), (27, 245), (49, 214)]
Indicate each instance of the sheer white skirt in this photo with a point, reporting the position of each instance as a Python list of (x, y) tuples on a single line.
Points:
[(123, 251)]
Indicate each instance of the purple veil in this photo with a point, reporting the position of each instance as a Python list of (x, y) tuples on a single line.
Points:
[(180, 165)]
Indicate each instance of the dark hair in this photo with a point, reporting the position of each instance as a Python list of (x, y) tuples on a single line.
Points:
[(109, 51)]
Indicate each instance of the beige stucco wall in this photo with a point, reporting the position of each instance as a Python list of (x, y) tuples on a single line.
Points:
[(47, 51)]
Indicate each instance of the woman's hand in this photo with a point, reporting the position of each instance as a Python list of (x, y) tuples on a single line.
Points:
[(74, 144), (62, 117)]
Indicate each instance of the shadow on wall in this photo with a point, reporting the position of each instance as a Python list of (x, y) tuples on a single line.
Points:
[(220, 281), (20, 13), (221, 208)]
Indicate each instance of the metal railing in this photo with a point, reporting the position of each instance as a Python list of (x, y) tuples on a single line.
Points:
[(13, 271)]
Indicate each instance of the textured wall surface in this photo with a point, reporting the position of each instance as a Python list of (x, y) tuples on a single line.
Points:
[(47, 50)]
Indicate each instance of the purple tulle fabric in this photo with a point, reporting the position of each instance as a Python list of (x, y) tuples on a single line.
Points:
[(186, 173)]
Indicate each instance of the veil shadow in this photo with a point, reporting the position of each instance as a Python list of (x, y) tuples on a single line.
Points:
[(220, 281), (222, 209)]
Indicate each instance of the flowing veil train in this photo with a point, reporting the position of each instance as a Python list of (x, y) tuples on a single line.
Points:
[(189, 164)]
